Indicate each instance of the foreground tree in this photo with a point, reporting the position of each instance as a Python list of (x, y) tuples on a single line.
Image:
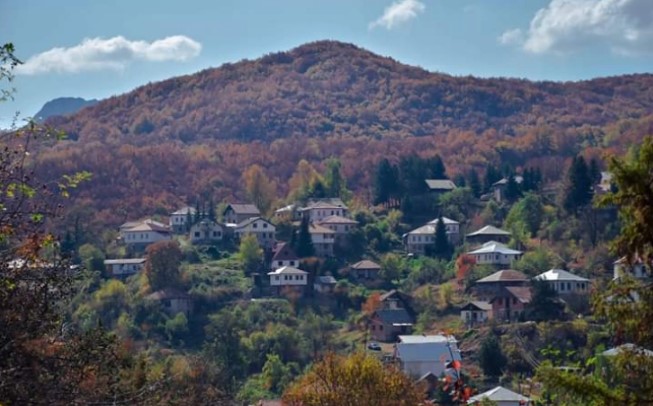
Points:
[(626, 307), (250, 253), (162, 267), (354, 380)]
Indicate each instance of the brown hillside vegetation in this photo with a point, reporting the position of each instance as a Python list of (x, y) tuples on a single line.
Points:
[(165, 143)]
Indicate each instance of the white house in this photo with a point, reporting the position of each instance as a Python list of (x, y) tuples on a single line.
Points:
[(288, 278), (417, 240), (323, 240), (179, 218), (495, 253), (122, 268), (319, 209), (564, 282), (637, 269), (143, 233), (501, 397), (261, 228), (206, 231), (420, 354)]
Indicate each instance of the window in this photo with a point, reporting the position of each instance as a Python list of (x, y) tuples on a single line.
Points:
[(332, 212), (297, 277), (276, 278), (500, 301), (292, 263), (514, 301), (255, 225), (280, 263), (265, 225), (166, 303), (381, 327), (568, 285), (285, 277), (346, 228), (197, 234), (562, 287)]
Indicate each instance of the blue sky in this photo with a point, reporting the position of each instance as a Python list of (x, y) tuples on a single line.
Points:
[(95, 49)]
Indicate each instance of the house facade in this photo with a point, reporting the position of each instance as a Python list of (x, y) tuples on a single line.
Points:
[(122, 268), (495, 253), (283, 255), (141, 234), (499, 187), (417, 240), (475, 313), (419, 355), (365, 270), (393, 318), (178, 220), (637, 269), (492, 285), (510, 304), (564, 283), (236, 213), (325, 284), (323, 240), (259, 227), (206, 232), (440, 186), (173, 301), (341, 226), (288, 279), (318, 209)]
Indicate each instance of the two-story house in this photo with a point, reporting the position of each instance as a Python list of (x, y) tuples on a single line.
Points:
[(417, 240), (122, 268), (288, 279), (318, 209), (178, 220), (206, 232), (323, 240), (493, 284), (393, 317), (341, 226), (488, 234), (283, 255), (637, 268), (138, 235), (565, 283), (261, 228), (495, 253)]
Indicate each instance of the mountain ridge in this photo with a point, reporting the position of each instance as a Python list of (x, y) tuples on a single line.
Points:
[(62, 106)]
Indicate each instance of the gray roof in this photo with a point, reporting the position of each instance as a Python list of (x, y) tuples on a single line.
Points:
[(489, 230), (124, 261), (478, 304), (493, 247), (326, 280), (498, 394), (394, 316), (504, 181), (288, 270), (505, 275), (366, 264), (243, 209), (427, 348), (184, 211), (560, 275), (250, 220), (337, 220), (440, 184), (627, 347)]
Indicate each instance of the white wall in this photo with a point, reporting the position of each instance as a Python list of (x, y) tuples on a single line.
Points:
[(288, 280)]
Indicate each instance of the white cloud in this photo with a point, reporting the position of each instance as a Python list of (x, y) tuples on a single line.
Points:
[(398, 13), (115, 53), (511, 37), (624, 26)]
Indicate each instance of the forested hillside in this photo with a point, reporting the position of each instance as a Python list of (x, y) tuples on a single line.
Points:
[(165, 143)]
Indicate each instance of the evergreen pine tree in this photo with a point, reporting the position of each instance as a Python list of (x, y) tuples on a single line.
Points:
[(198, 212), (318, 190), (304, 242), (595, 172), (461, 181), (513, 191), (441, 248), (491, 358), (492, 175), (211, 211), (383, 183), (578, 192), (189, 220), (436, 168), (474, 182), (335, 182)]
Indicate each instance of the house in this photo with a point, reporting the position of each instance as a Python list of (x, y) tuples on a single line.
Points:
[(173, 301), (283, 255), (487, 234), (319, 209), (341, 226), (178, 221), (417, 240), (491, 285), (237, 213), (510, 304), (624, 348), (122, 268), (501, 397), (365, 270), (394, 316), (288, 279), (495, 253), (475, 313), (564, 282), (138, 235), (638, 269), (388, 324), (325, 284), (323, 240), (499, 187), (206, 232), (261, 228), (421, 354), (440, 186), (289, 212)]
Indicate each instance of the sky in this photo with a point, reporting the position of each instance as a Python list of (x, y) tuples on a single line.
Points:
[(100, 48)]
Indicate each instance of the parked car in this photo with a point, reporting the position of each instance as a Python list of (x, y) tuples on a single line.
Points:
[(374, 346)]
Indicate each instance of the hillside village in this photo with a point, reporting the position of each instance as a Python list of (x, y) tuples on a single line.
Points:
[(417, 296)]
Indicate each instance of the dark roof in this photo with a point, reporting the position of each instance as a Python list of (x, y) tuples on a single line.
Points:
[(331, 201), (477, 305), (366, 264), (337, 220), (394, 316), (523, 293), (239, 208), (284, 252), (506, 275), (440, 184), (168, 293)]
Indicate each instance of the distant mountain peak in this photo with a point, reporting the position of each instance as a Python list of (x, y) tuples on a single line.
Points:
[(62, 106)]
